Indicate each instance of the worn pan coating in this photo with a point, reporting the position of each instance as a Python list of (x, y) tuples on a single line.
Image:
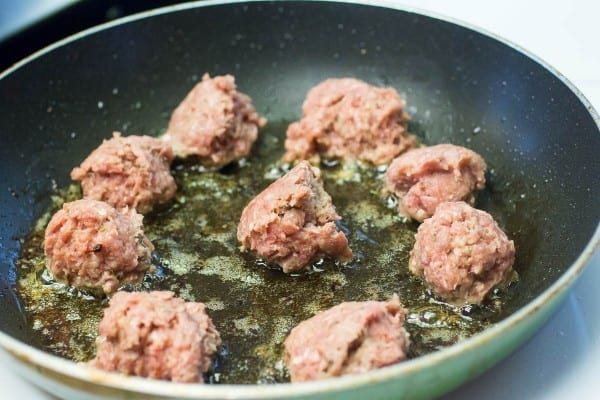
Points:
[(537, 133)]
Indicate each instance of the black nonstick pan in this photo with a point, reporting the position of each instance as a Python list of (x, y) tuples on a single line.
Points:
[(540, 140)]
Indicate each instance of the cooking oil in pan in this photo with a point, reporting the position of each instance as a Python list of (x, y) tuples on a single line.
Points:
[(253, 305)]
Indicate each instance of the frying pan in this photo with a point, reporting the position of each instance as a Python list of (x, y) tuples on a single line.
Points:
[(538, 136)]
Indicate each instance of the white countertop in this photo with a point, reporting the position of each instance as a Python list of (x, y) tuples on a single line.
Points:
[(562, 361), (16, 15)]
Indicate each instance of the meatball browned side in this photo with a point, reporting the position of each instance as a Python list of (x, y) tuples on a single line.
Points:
[(425, 177), (292, 222), (350, 338), (156, 335), (90, 244), (461, 253), (349, 119), (132, 171), (214, 122)]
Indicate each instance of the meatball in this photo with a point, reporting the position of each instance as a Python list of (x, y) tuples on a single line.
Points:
[(90, 244), (132, 171), (215, 123), (349, 119), (156, 335), (425, 177), (292, 222), (461, 253), (350, 338)]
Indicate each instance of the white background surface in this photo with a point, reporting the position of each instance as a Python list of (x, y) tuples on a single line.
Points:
[(562, 361), (16, 15)]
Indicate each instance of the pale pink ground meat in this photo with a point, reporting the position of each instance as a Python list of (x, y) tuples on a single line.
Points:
[(215, 123), (132, 171), (90, 244), (350, 338), (292, 222), (425, 177), (461, 253), (156, 335), (349, 119)]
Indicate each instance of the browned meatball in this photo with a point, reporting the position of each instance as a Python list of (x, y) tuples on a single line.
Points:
[(461, 253), (132, 171), (292, 222), (349, 119), (90, 244), (425, 177), (350, 338), (214, 122), (156, 335)]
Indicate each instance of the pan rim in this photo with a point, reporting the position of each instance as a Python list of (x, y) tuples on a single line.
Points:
[(373, 3), (78, 371), (74, 370)]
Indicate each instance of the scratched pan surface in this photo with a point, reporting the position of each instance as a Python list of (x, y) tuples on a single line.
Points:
[(539, 137)]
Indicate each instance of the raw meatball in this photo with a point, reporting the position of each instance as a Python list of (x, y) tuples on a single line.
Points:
[(350, 338), (461, 253), (132, 171), (292, 222), (349, 119), (425, 177), (90, 244), (214, 122), (156, 335)]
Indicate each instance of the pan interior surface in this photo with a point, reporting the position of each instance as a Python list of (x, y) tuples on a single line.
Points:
[(462, 87)]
